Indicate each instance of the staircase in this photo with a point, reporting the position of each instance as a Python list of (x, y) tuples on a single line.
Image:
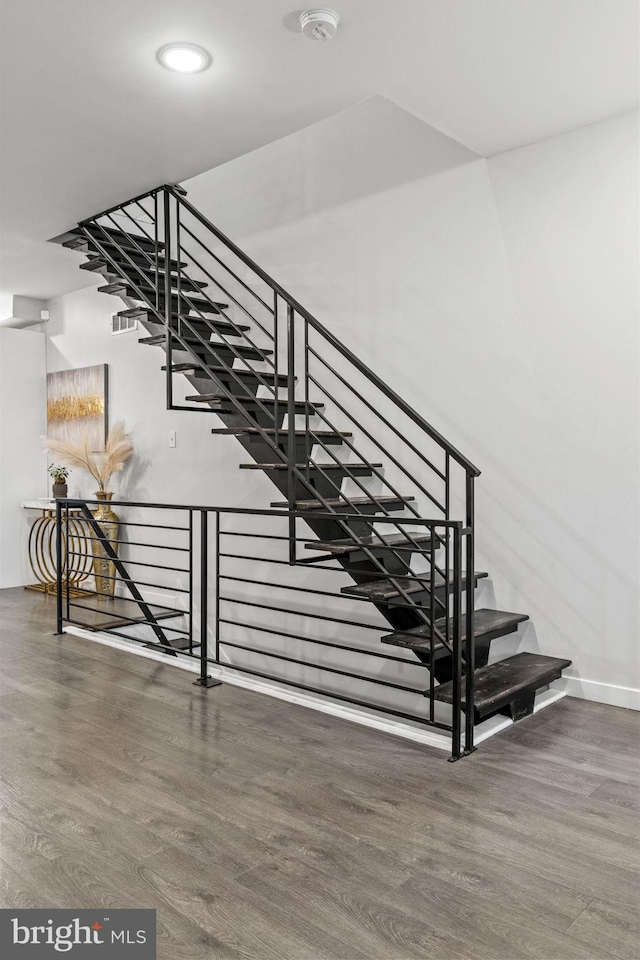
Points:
[(339, 445)]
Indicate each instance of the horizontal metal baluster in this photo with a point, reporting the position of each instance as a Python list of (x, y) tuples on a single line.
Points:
[(327, 643), (234, 371), (371, 556), (140, 294), (378, 415), (130, 236), (200, 316), (140, 563), (192, 257), (379, 446), (226, 267), (322, 666)]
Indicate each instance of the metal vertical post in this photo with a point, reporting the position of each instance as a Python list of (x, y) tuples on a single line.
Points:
[(156, 252), (470, 654), (65, 562), (218, 521), (204, 680), (179, 280), (307, 448), (190, 581), (58, 567), (167, 297), (276, 389), (432, 621), (291, 425), (447, 487), (456, 676), (447, 539)]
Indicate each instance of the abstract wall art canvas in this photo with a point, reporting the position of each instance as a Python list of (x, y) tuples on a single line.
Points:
[(77, 405)]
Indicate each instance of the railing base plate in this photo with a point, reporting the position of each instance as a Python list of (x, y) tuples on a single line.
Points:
[(207, 682)]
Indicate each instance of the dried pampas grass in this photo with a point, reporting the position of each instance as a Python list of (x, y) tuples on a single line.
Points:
[(101, 466)]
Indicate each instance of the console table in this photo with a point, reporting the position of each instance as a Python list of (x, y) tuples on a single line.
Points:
[(42, 547)]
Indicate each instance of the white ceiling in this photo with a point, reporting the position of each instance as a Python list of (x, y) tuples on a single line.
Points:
[(89, 118)]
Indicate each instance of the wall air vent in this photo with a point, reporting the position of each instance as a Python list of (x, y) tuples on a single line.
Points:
[(120, 324)]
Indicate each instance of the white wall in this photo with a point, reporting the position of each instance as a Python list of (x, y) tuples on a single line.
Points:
[(566, 503), (23, 418)]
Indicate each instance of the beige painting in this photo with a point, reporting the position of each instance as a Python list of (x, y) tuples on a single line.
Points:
[(77, 405)]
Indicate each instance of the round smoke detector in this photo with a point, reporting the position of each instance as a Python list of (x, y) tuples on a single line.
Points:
[(320, 23)]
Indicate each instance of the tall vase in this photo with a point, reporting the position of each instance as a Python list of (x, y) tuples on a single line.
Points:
[(104, 569)]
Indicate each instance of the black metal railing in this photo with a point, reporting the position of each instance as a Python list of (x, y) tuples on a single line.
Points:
[(272, 364), (233, 602)]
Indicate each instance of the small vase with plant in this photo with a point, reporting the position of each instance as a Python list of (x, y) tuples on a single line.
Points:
[(101, 465), (59, 475)]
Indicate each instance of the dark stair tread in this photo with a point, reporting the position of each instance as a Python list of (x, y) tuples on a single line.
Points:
[(94, 260), (182, 367), (383, 589), (488, 625), (87, 245), (252, 401), (158, 338), (224, 372), (237, 350), (125, 290), (98, 263), (145, 279), (208, 327), (74, 243), (109, 235), (304, 505), (271, 431), (499, 683), (343, 547), (344, 467), (198, 323), (140, 312)]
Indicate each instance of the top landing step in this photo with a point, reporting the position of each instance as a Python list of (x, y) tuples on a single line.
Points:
[(110, 238)]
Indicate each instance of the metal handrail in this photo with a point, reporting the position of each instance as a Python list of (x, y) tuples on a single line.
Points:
[(182, 640)]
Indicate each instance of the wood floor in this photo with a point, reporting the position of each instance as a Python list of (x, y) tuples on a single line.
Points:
[(262, 830)]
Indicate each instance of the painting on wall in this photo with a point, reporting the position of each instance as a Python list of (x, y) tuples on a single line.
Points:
[(77, 405)]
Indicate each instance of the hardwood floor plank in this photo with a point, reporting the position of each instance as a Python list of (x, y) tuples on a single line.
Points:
[(496, 934), (609, 924), (624, 795), (606, 758), (276, 931), (536, 764), (354, 912), (20, 894)]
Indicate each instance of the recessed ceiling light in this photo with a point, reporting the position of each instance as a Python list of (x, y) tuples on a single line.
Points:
[(184, 57)]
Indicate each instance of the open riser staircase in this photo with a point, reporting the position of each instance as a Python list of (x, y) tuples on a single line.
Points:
[(342, 448)]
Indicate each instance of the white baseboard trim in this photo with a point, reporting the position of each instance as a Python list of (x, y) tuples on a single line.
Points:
[(400, 728), (615, 696)]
